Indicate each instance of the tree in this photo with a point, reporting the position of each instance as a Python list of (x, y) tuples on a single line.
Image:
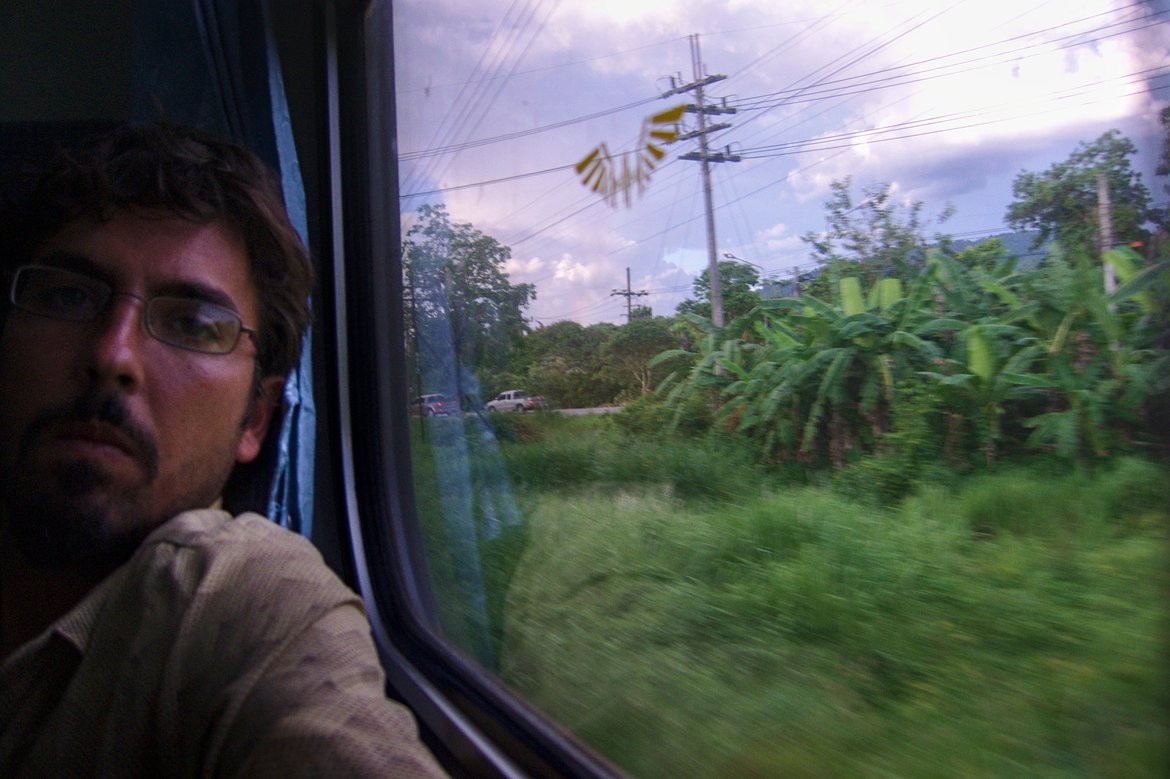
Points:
[(869, 237), (987, 255), (641, 312), (463, 312), (739, 282), (1061, 202), (995, 353), (634, 345), (564, 362)]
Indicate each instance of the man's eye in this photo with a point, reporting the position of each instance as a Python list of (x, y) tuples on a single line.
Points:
[(194, 325), (61, 299)]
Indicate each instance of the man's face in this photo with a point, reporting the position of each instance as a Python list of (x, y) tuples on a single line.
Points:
[(105, 431)]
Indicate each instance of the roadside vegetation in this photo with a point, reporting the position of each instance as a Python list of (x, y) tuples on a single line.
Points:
[(912, 522), (961, 364), (690, 612)]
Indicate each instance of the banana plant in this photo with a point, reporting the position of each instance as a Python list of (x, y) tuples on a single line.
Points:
[(1099, 369), (991, 368), (1134, 279), (716, 361), (822, 379)]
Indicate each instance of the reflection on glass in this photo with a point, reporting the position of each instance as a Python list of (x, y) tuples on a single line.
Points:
[(846, 449)]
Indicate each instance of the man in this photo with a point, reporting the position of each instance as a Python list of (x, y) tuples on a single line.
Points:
[(155, 299)]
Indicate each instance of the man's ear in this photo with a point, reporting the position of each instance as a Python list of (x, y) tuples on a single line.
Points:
[(255, 425)]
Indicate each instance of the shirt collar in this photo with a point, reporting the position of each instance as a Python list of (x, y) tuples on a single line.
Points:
[(77, 624)]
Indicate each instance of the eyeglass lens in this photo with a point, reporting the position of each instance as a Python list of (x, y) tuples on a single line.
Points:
[(187, 323)]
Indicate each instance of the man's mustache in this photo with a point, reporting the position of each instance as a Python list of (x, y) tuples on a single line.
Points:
[(105, 407)]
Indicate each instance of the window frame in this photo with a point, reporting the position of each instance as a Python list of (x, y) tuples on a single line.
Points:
[(474, 723)]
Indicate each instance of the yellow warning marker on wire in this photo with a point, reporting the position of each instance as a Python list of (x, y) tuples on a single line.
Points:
[(613, 176)]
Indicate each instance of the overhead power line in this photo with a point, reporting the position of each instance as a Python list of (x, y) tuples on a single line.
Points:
[(822, 97), (452, 148), (522, 30), (844, 87), (881, 135), (875, 80), (529, 71), (820, 92), (514, 177), (845, 140)]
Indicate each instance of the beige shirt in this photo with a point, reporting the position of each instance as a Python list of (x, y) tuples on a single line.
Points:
[(224, 647)]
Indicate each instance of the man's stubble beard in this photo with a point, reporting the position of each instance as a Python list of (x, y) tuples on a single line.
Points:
[(76, 513)]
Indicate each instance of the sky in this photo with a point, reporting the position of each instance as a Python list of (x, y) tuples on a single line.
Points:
[(946, 101)]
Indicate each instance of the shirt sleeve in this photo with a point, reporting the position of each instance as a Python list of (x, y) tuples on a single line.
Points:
[(274, 671), (320, 710)]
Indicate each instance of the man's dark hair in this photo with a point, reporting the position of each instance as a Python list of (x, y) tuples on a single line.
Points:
[(196, 177)]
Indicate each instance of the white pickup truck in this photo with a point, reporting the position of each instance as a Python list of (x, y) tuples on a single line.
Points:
[(516, 400)]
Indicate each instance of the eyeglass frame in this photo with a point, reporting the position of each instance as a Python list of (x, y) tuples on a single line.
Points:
[(112, 294)]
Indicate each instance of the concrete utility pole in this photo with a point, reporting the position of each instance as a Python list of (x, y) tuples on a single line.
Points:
[(1105, 213), (629, 295), (704, 157)]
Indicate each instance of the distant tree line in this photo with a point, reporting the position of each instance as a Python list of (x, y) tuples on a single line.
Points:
[(894, 317)]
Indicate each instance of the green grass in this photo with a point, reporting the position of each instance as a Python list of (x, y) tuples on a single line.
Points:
[(1010, 624), (564, 453)]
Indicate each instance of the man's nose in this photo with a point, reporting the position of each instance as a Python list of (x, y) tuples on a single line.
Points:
[(115, 352)]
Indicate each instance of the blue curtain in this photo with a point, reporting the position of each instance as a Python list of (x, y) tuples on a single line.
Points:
[(214, 64)]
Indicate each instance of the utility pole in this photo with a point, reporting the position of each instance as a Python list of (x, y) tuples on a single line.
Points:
[(1105, 212), (705, 157), (629, 295), (414, 336)]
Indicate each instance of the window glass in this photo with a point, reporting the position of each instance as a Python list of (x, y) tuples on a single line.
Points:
[(888, 499)]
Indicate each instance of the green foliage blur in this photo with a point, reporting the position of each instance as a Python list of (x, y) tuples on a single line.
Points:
[(911, 524), (904, 355), (993, 361), (649, 581), (738, 286), (690, 614)]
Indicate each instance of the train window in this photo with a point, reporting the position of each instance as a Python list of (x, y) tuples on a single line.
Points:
[(790, 380)]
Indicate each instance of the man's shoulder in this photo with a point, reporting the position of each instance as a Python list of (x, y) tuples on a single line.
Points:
[(216, 530), (223, 590), (208, 549)]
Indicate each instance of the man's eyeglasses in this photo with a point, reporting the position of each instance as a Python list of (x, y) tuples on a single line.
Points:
[(188, 323)]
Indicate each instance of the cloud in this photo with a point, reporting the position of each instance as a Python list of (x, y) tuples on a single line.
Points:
[(1007, 96), (530, 266), (778, 238), (568, 269), (691, 260), (947, 103)]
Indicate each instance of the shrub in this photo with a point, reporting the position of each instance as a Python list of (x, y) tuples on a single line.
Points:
[(1035, 500), (879, 480), (517, 427), (1135, 490), (717, 469), (648, 415), (553, 462), (693, 418), (1020, 505), (577, 451), (644, 416)]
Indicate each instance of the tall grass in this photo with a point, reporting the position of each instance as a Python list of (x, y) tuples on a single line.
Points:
[(569, 453), (798, 634), (689, 614)]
